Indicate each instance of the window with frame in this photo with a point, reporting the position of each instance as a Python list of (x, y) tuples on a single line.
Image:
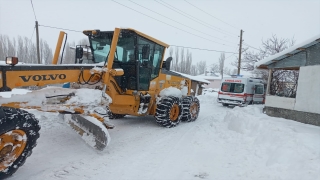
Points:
[(232, 87)]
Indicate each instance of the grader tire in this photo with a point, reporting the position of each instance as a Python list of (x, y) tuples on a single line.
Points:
[(19, 131), (191, 108), (168, 112)]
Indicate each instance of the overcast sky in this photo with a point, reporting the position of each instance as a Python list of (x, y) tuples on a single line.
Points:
[(204, 24)]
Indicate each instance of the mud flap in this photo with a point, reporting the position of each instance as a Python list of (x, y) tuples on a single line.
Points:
[(91, 130)]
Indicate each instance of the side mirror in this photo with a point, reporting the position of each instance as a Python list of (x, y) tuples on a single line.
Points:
[(168, 63), (11, 60), (79, 52)]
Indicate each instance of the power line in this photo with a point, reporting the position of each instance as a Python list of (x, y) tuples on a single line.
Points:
[(59, 28), (35, 17), (210, 15), (194, 18), (169, 24), (170, 45), (178, 21), (251, 46), (203, 49)]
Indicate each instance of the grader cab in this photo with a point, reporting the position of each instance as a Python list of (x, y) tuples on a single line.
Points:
[(129, 71)]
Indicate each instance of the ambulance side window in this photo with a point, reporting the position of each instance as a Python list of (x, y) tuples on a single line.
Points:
[(238, 88), (258, 89), (226, 87)]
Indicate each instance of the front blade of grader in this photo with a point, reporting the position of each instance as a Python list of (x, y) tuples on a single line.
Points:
[(91, 130)]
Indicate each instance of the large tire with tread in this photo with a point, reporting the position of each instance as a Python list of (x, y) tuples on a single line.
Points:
[(168, 112), (19, 131), (191, 108)]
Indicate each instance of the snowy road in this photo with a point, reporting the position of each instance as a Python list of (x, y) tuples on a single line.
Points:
[(224, 143)]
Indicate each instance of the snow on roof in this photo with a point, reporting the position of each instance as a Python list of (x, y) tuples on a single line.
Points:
[(195, 78), (211, 76), (288, 52)]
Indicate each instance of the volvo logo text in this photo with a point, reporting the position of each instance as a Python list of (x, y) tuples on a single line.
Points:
[(46, 77)]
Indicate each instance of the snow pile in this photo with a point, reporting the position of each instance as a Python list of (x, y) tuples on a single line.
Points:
[(13, 92), (171, 91), (282, 145), (38, 97), (208, 98), (87, 97)]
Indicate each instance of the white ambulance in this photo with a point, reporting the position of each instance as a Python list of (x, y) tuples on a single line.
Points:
[(241, 91)]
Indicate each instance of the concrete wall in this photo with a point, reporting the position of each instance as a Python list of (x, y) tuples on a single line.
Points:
[(300, 116), (213, 83), (308, 92), (280, 102)]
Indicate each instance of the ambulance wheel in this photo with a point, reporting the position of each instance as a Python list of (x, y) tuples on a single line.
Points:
[(19, 132), (191, 108), (168, 112)]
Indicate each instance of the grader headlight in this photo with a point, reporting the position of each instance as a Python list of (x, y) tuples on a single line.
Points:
[(11, 60)]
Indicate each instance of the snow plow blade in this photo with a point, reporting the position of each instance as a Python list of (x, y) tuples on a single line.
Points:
[(91, 130)]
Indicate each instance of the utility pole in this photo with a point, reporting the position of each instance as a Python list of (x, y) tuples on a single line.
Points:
[(38, 48), (240, 49)]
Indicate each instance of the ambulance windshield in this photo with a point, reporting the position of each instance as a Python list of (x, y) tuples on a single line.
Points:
[(232, 87)]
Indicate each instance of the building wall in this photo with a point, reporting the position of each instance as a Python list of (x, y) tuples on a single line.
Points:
[(308, 91), (280, 102), (313, 55), (213, 83), (305, 107)]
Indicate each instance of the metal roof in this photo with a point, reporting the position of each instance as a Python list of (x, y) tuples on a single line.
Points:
[(263, 64)]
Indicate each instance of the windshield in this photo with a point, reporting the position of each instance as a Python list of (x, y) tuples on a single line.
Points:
[(101, 47), (232, 87)]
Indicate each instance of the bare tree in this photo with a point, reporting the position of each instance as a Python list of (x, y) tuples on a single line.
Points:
[(227, 71), (188, 62), (24, 49), (201, 67), (234, 71), (170, 52), (193, 70), (69, 54), (45, 52), (270, 47), (8, 46), (176, 60), (214, 68), (182, 61), (221, 64), (284, 83)]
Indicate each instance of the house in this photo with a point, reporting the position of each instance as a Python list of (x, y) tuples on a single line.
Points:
[(197, 83), (304, 106), (215, 78)]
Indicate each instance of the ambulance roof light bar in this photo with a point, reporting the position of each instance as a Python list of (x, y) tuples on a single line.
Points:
[(236, 75)]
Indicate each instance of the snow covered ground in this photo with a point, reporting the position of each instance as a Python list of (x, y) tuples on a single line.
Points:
[(223, 144)]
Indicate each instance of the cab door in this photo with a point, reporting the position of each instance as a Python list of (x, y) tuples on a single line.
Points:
[(258, 94)]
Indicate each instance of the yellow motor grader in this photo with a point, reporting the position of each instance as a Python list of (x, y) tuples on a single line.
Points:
[(130, 74)]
